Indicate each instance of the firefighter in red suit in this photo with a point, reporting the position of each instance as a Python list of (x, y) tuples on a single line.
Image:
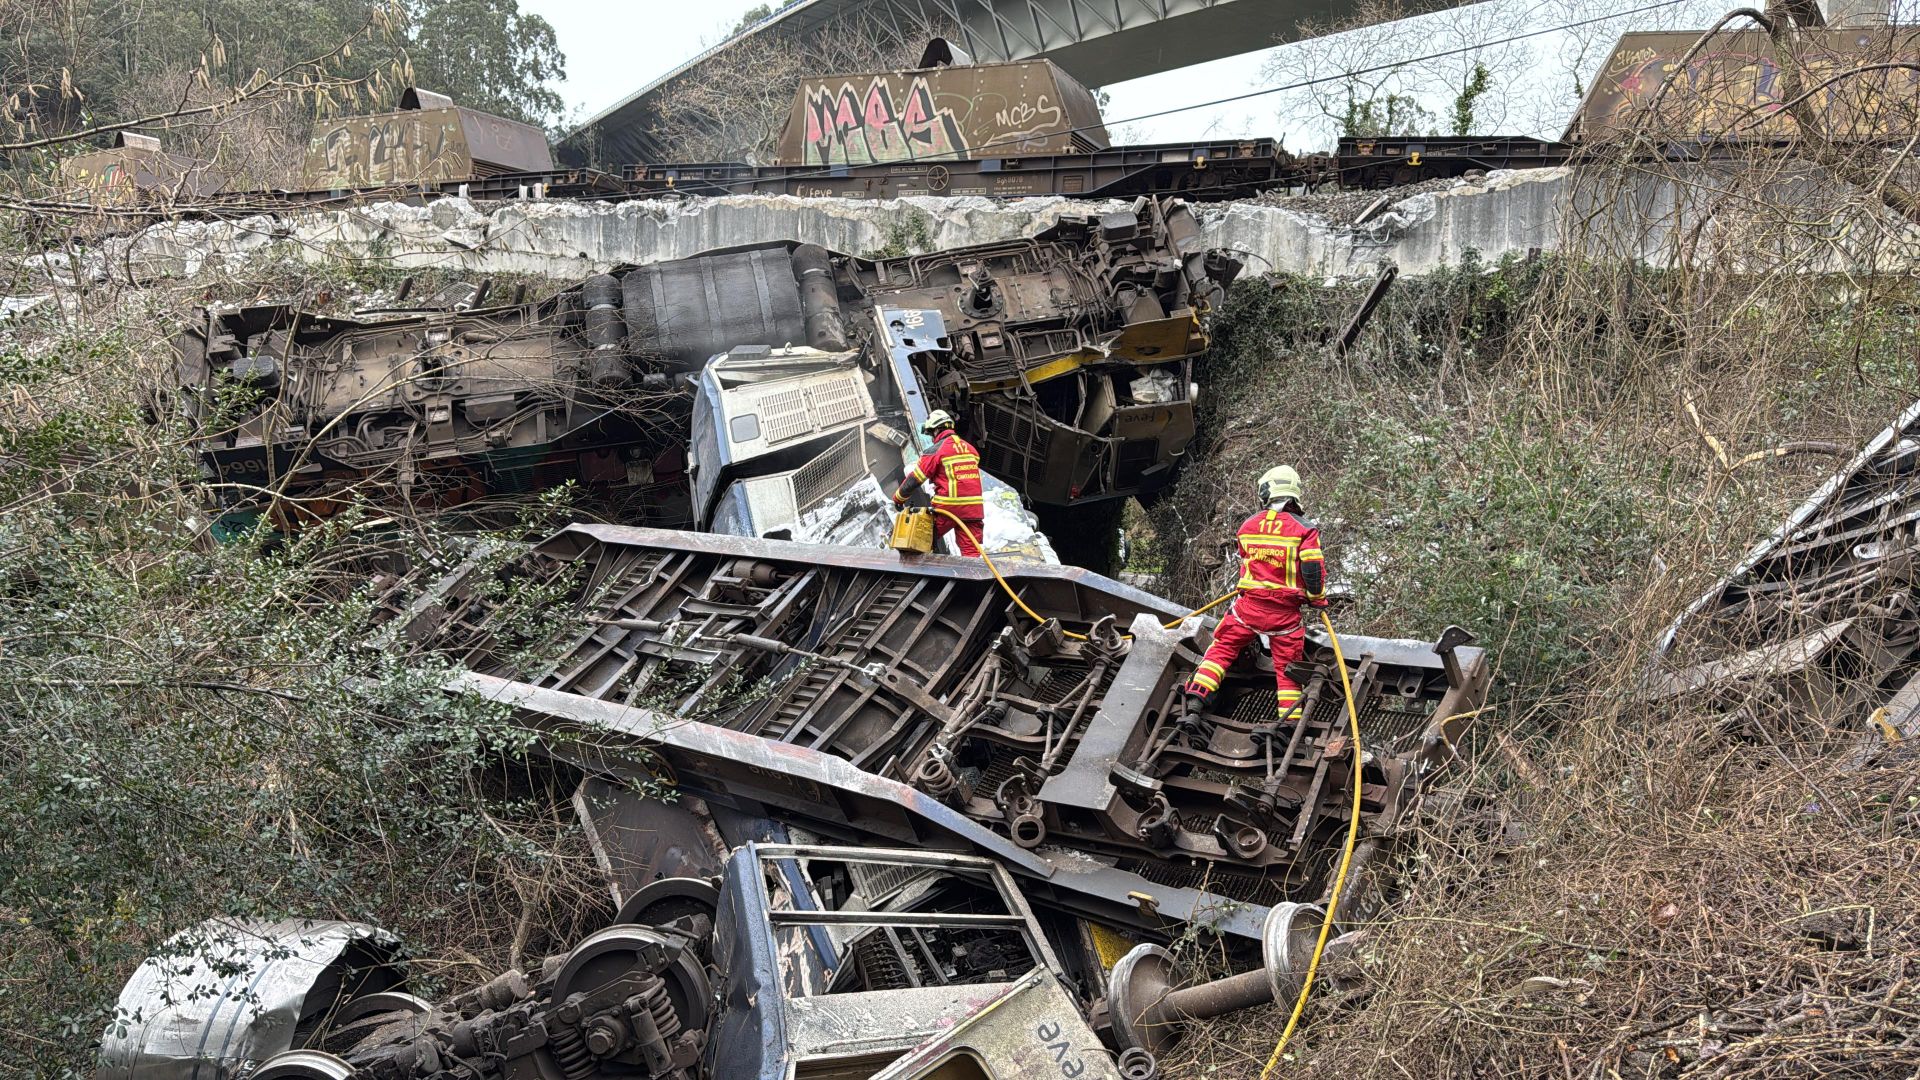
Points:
[(1281, 570), (954, 467)]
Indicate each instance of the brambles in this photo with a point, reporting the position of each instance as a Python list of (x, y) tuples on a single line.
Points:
[(1561, 453), (199, 728)]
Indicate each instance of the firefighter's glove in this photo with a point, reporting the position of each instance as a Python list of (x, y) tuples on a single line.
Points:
[(1318, 601)]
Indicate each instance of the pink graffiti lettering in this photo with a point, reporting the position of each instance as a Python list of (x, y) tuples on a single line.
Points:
[(847, 127), (879, 117)]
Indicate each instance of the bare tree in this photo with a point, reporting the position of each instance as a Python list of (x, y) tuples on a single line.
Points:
[(1839, 108), (1362, 98), (249, 124), (1431, 68), (735, 104), (1844, 106)]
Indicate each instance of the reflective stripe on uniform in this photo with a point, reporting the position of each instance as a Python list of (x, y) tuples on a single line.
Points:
[(1280, 551)]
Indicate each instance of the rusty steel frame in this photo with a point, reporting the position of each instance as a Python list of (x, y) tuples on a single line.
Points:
[(830, 795), (920, 673), (1820, 614)]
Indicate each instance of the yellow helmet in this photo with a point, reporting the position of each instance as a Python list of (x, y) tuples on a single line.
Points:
[(1279, 484), (935, 421)]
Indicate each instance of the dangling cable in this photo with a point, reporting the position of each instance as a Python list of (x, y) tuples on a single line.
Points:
[(1346, 856), (1353, 821), (1034, 615)]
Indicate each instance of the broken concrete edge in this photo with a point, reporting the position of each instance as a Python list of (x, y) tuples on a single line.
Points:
[(807, 778), (1508, 212)]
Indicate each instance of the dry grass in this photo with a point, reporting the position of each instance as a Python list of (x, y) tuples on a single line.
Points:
[(185, 739), (1555, 453), (1562, 455)]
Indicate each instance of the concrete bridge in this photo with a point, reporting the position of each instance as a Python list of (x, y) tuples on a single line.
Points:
[(1097, 41)]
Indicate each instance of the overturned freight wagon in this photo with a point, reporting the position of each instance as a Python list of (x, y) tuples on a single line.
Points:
[(1026, 736), (1034, 815), (1070, 355)]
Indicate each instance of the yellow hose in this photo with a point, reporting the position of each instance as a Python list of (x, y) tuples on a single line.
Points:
[(1034, 615), (1353, 821), (1346, 857)]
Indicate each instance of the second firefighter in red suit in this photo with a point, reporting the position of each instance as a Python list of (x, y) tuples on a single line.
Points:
[(1281, 570), (953, 467)]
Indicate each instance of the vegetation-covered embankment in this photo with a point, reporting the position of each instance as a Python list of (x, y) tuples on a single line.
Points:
[(1560, 455)]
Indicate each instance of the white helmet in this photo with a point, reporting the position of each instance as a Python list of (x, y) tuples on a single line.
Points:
[(936, 420), (1279, 484)]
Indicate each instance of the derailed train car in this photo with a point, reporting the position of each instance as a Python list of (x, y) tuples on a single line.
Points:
[(300, 414), (1065, 730), (1034, 814), (794, 961), (1070, 352)]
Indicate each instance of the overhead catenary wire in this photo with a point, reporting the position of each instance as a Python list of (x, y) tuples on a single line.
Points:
[(1302, 84), (829, 170)]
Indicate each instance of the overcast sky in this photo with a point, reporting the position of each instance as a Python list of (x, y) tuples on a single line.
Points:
[(613, 50)]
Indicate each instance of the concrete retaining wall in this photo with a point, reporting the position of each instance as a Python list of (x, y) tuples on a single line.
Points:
[(1504, 213)]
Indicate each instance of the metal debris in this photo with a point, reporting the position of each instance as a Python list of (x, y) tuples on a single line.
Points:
[(1070, 353), (229, 994), (840, 960), (922, 673), (630, 1000), (1150, 1009), (1031, 1031), (1819, 617), (799, 959), (1030, 806), (1038, 818)]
